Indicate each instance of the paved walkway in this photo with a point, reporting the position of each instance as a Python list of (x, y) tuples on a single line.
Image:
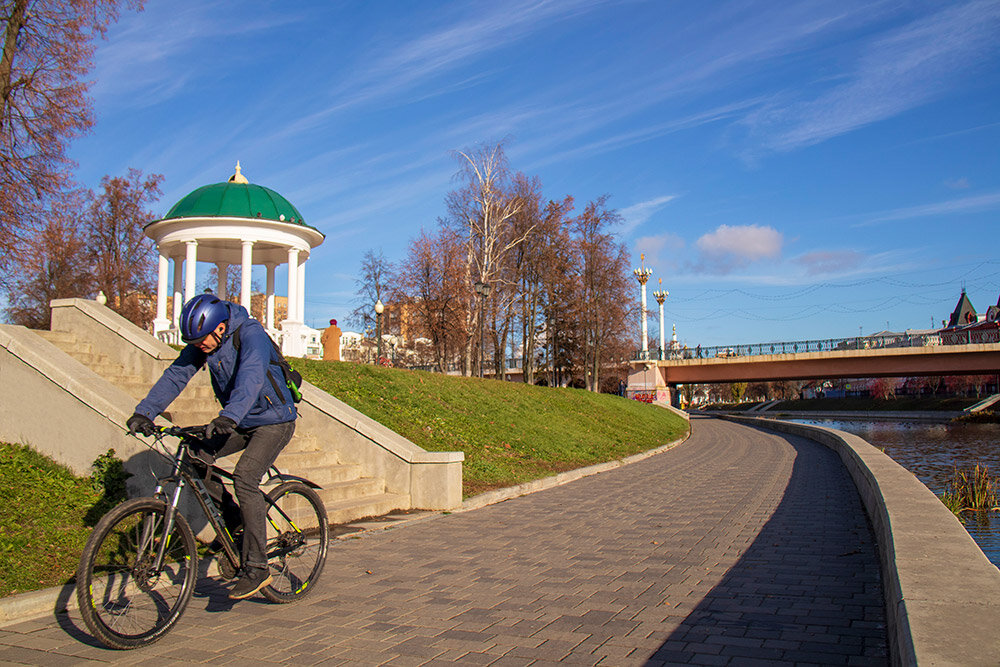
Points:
[(736, 547)]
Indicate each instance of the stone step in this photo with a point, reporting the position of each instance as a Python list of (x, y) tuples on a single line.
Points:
[(345, 511), (57, 338), (67, 342), (351, 489), (305, 460), (305, 443), (328, 475)]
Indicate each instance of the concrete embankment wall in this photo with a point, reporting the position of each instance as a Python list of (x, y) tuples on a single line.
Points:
[(942, 593)]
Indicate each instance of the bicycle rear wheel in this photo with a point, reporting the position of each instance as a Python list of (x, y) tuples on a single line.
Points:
[(126, 602), (297, 536)]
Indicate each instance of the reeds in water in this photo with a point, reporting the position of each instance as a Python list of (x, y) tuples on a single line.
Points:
[(971, 490)]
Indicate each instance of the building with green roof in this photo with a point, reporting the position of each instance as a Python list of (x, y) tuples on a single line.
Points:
[(234, 223)]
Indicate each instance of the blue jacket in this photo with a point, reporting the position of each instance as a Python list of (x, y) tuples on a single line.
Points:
[(249, 383)]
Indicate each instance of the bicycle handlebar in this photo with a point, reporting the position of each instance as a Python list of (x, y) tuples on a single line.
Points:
[(182, 431)]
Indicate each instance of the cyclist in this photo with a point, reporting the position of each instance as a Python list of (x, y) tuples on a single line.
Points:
[(257, 417)]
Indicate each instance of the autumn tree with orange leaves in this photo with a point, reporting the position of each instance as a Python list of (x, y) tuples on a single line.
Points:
[(48, 49), (122, 257), (53, 264), (561, 294)]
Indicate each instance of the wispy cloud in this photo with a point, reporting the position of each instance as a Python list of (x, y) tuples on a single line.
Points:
[(830, 262), (398, 68), (157, 53), (905, 69), (635, 215), (973, 204), (564, 135)]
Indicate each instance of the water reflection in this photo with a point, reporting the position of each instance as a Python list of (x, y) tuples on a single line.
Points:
[(931, 452)]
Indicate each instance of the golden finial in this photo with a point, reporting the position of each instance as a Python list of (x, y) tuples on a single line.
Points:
[(238, 177)]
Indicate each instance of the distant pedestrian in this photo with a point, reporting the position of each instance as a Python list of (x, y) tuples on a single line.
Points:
[(331, 342)]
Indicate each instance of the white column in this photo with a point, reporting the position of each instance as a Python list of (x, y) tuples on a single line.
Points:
[(645, 324), (300, 305), (161, 323), (247, 267), (189, 266), (222, 284), (293, 289), (292, 344), (175, 318), (662, 348), (269, 308)]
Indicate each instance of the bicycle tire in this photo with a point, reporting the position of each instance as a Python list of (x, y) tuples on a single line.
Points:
[(296, 545), (122, 603)]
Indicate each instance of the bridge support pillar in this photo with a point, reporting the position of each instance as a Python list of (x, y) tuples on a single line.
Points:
[(645, 383), (673, 397)]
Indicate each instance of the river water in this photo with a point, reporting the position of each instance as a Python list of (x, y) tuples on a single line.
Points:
[(931, 451)]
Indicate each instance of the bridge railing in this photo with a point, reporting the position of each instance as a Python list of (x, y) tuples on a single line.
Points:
[(788, 347)]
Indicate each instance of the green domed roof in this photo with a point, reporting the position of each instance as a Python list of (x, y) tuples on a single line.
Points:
[(235, 200)]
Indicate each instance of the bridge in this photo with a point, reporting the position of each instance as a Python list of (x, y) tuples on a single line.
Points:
[(887, 356)]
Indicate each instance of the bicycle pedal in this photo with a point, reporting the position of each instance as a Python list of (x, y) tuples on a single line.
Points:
[(226, 569)]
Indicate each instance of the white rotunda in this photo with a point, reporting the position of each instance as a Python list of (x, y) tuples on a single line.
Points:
[(235, 222)]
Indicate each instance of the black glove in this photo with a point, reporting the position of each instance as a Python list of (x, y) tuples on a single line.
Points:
[(140, 424), (219, 426)]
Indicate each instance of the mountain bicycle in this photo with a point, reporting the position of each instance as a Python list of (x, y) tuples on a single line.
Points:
[(140, 564)]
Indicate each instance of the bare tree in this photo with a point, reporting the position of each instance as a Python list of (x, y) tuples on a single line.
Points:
[(124, 259), (373, 285), (432, 275), (483, 209), (53, 266), (48, 48), (603, 287)]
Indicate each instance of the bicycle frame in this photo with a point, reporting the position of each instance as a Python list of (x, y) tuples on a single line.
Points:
[(183, 473)]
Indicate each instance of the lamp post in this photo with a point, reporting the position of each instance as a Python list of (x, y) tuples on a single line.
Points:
[(642, 275), (379, 307), (661, 295), (483, 290)]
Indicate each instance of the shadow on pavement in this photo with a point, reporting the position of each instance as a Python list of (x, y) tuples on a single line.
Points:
[(808, 589)]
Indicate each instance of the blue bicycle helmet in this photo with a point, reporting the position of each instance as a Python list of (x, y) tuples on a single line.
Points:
[(200, 316)]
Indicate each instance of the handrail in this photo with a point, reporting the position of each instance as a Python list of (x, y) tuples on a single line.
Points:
[(792, 347)]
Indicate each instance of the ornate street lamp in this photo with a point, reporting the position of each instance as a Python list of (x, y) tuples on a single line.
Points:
[(483, 290), (661, 295), (379, 307), (642, 275)]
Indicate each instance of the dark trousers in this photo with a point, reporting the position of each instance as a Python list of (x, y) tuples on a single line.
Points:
[(260, 446)]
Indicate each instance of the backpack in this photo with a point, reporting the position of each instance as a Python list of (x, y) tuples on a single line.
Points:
[(293, 379)]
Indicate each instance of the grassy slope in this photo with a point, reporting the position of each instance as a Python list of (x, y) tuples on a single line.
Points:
[(510, 432), (42, 525)]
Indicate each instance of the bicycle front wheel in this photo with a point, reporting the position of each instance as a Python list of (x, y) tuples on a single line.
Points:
[(124, 598), (297, 536)]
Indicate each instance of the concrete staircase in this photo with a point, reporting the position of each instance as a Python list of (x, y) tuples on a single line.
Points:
[(346, 492)]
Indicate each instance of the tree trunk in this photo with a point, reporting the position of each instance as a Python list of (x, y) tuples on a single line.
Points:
[(14, 26)]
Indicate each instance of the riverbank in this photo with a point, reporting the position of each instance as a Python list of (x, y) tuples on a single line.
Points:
[(939, 416), (904, 408)]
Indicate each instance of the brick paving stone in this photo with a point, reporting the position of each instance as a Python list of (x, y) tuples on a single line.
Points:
[(738, 545)]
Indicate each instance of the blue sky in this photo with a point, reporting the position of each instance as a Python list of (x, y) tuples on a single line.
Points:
[(792, 170)]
